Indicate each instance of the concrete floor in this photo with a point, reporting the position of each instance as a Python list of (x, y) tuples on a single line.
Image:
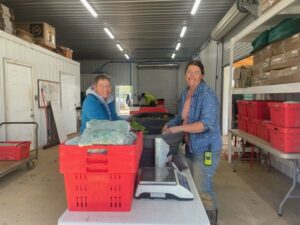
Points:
[(247, 197)]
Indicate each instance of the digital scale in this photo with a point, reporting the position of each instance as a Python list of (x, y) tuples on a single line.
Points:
[(163, 182)]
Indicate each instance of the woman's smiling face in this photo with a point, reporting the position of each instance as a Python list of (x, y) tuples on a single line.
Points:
[(193, 76)]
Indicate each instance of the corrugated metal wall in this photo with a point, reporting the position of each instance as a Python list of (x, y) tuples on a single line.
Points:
[(122, 73), (241, 49), (46, 65)]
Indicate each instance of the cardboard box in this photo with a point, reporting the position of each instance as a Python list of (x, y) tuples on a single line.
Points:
[(64, 51), (292, 43), (25, 35), (242, 77), (278, 47), (7, 25), (256, 69), (4, 10), (43, 33), (285, 60), (265, 5), (286, 72), (265, 65), (262, 55), (264, 78), (255, 81)]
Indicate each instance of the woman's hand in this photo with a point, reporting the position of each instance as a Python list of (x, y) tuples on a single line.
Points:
[(165, 129), (172, 130)]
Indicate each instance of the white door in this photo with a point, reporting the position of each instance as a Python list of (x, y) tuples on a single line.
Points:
[(18, 101), (161, 83), (68, 102)]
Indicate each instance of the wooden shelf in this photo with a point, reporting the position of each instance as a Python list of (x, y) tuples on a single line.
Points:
[(264, 144)]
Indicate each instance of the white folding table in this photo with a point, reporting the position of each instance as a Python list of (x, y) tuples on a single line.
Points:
[(146, 212)]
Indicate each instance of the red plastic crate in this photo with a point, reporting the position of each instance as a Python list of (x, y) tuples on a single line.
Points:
[(242, 123), (285, 114), (159, 108), (242, 107), (258, 109), (263, 131), (252, 125), (100, 177), (14, 150), (285, 139)]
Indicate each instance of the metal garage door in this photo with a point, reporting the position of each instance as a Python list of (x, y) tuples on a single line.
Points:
[(161, 82)]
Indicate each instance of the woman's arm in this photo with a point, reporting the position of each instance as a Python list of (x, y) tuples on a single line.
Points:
[(207, 118)]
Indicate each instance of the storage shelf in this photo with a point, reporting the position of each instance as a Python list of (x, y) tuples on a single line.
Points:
[(278, 88), (277, 13), (264, 144)]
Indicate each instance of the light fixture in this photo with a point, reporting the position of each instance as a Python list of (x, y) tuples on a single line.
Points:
[(126, 56), (195, 7), (178, 46), (89, 8), (120, 47), (183, 30), (173, 55), (109, 33)]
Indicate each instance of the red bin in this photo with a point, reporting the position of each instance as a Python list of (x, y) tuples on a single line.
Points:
[(100, 177)]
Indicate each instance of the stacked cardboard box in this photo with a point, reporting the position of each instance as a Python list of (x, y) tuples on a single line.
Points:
[(261, 66), (285, 61), (265, 5), (43, 33), (242, 77), (277, 63), (7, 19)]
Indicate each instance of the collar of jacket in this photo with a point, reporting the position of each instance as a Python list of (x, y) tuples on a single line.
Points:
[(198, 89), (91, 91)]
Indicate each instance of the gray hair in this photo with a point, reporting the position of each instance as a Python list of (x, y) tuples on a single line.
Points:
[(102, 76)]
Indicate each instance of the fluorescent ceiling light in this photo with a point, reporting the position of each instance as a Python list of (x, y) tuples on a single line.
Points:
[(173, 55), (195, 7), (120, 47), (89, 8), (178, 46), (109, 33), (183, 30), (126, 56)]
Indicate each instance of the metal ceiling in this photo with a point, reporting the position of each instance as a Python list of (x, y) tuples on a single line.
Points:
[(147, 30)]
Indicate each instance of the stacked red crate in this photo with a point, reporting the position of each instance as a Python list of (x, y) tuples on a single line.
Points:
[(285, 126), (100, 177), (242, 114), (258, 112)]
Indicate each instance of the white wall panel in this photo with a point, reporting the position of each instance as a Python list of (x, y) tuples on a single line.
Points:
[(46, 65)]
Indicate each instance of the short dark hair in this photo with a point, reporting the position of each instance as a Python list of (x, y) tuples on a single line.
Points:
[(102, 76), (195, 63)]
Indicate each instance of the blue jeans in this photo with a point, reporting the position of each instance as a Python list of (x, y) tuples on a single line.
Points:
[(203, 177)]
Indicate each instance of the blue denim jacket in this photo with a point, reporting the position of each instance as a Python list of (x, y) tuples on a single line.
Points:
[(204, 108)]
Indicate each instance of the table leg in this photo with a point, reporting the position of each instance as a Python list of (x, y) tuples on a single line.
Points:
[(296, 167)]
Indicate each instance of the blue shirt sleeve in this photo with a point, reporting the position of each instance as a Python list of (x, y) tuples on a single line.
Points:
[(209, 112)]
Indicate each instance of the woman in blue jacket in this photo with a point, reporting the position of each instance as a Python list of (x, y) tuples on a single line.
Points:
[(198, 117), (99, 103)]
